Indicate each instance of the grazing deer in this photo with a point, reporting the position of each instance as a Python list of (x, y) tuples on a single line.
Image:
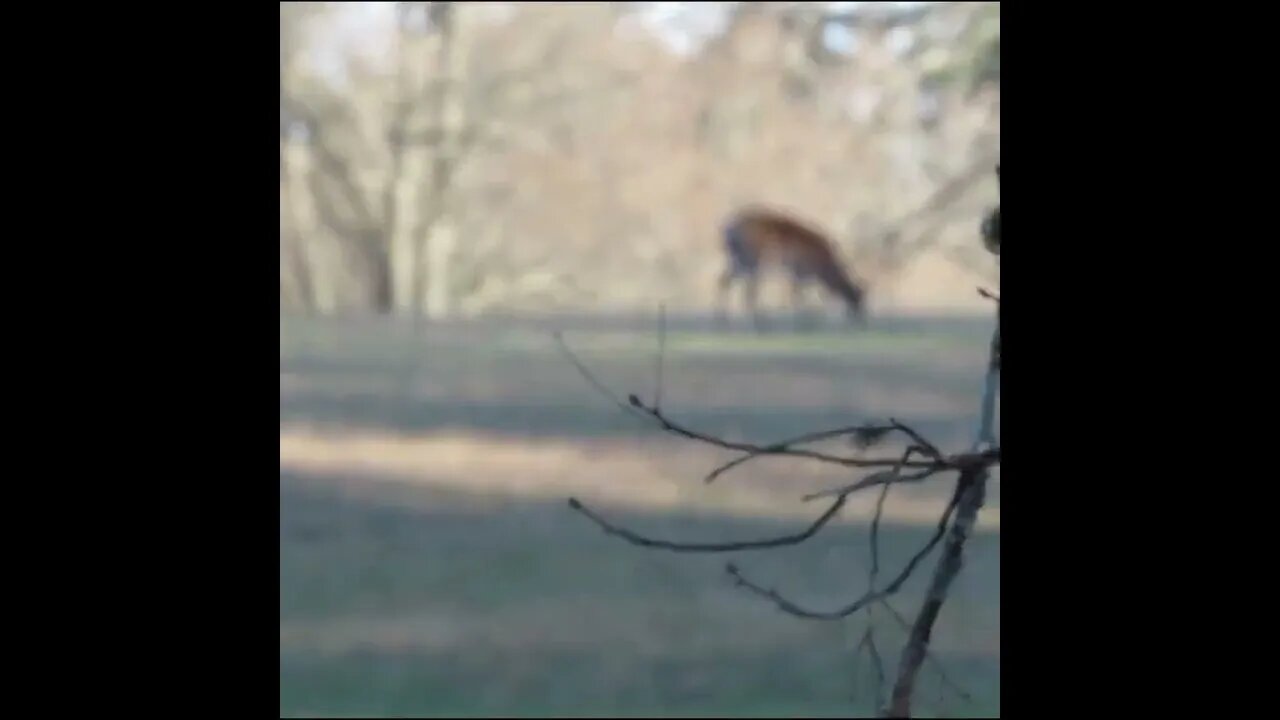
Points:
[(755, 238)]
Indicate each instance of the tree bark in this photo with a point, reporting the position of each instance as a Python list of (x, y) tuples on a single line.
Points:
[(972, 493), (440, 236), (294, 250)]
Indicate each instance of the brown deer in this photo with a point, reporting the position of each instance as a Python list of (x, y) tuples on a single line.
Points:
[(755, 238)]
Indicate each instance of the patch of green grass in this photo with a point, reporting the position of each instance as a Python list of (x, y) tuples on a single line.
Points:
[(426, 609), (536, 614), (578, 684), (867, 343)]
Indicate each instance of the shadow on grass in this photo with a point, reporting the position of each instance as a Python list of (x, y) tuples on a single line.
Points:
[(421, 601), (387, 412)]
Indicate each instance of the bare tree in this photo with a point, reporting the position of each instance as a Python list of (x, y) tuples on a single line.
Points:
[(922, 461), (370, 154), (391, 145), (298, 276)]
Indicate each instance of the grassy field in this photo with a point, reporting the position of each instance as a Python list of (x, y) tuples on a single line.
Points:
[(430, 566)]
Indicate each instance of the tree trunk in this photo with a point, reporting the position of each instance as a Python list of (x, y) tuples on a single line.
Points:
[(299, 271), (294, 249), (442, 242), (381, 287), (972, 493), (440, 236)]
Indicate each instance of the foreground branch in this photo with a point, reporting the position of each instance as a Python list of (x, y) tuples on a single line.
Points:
[(922, 460), (871, 596), (637, 539), (863, 435), (636, 406)]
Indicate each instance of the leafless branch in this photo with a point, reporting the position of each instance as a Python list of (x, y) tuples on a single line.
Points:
[(858, 431), (890, 476), (867, 598), (875, 524), (634, 403), (589, 376), (675, 428), (868, 641), (928, 447), (643, 541)]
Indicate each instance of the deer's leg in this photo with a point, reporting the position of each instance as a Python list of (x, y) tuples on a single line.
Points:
[(722, 295), (753, 305), (799, 283)]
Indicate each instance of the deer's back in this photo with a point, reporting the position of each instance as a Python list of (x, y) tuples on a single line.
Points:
[(766, 236)]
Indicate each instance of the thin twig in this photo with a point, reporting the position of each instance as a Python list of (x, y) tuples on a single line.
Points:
[(877, 662), (589, 377), (662, 345), (875, 530), (634, 404), (868, 641), (960, 462), (857, 656), (927, 446), (864, 434), (677, 429), (988, 294), (643, 541), (937, 664), (869, 597), (885, 477), (782, 446), (879, 513)]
